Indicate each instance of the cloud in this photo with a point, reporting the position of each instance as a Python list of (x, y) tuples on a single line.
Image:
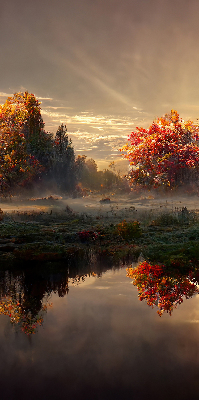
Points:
[(2, 94), (98, 121), (45, 98), (60, 107), (6, 94)]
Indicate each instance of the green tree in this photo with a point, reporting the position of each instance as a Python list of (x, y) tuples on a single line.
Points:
[(63, 161)]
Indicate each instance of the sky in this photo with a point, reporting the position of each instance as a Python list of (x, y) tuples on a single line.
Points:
[(102, 67)]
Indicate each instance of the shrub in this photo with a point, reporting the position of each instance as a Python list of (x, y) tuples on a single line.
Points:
[(129, 230)]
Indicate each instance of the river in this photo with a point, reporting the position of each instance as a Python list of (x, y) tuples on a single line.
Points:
[(87, 336)]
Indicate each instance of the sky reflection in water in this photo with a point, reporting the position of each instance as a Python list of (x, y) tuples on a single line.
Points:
[(100, 342)]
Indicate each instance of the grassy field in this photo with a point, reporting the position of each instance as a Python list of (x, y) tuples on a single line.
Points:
[(160, 231)]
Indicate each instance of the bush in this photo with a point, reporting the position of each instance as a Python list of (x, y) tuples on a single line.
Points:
[(129, 230)]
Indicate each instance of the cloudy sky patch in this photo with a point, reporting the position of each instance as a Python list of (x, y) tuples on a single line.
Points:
[(103, 65)]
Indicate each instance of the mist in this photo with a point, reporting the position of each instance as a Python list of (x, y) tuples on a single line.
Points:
[(110, 208)]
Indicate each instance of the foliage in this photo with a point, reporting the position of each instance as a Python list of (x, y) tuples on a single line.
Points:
[(27, 151), (26, 321), (16, 165), (129, 230), (158, 287), (63, 161), (61, 142), (165, 155), (23, 301), (165, 219), (22, 113), (92, 179), (24, 145), (86, 236), (86, 172), (174, 254)]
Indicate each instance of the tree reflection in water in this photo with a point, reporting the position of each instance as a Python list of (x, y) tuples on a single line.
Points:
[(163, 288), (25, 293), (23, 300)]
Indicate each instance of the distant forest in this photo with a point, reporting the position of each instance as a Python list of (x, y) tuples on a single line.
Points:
[(30, 157)]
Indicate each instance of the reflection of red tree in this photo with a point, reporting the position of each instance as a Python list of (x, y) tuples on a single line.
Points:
[(157, 287)]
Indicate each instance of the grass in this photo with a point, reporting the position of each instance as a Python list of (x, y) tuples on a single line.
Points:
[(170, 238)]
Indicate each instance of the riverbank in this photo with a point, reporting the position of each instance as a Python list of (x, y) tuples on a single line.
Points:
[(156, 229)]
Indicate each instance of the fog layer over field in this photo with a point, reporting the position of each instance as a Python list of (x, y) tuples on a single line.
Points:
[(113, 207)]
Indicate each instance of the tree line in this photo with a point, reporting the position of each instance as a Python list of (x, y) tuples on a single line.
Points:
[(31, 156), (166, 155)]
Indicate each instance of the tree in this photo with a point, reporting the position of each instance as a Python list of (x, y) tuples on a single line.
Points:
[(61, 141), (165, 155), (159, 288), (86, 172), (63, 160), (80, 165), (16, 166), (22, 113), (91, 165), (24, 145)]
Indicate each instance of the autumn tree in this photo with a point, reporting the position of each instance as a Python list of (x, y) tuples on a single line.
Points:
[(16, 165), (27, 151), (22, 112), (164, 155), (24, 144), (161, 289)]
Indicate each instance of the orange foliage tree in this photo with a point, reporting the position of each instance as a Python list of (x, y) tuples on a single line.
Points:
[(24, 300), (166, 154), (24, 145), (22, 112), (26, 321), (16, 165)]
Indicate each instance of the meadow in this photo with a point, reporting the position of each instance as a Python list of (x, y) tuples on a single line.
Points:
[(129, 228)]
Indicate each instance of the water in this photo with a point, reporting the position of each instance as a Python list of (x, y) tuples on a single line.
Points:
[(93, 339)]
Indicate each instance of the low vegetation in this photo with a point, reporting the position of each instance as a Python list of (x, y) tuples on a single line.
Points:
[(169, 238)]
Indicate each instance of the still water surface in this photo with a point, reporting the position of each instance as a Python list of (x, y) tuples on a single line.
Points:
[(96, 341)]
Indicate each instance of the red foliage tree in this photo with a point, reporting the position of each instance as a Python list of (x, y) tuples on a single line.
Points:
[(166, 154)]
